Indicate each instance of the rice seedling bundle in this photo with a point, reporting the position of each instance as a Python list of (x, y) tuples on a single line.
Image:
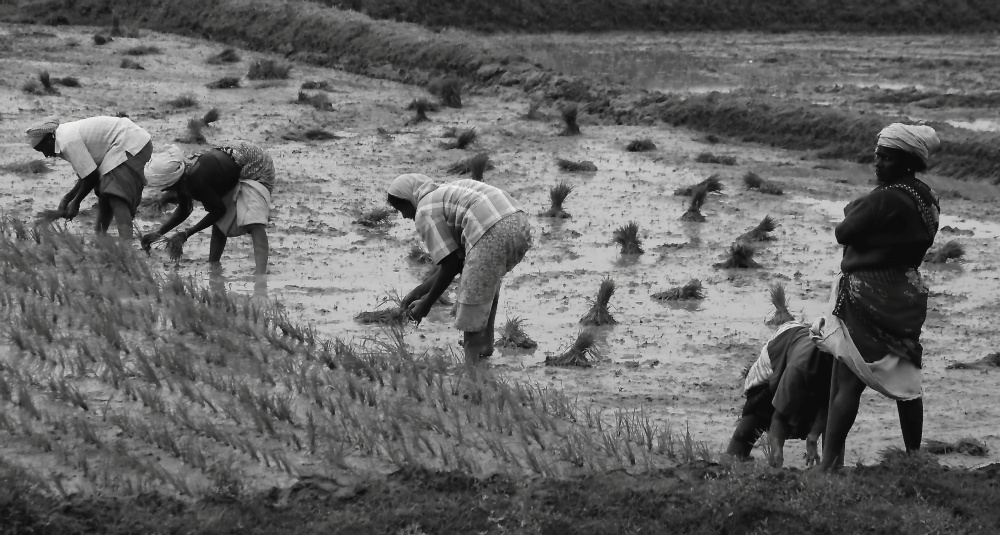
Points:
[(781, 314), (640, 145), (989, 361), (226, 82), (142, 50), (376, 217), (174, 246), (68, 81), (691, 291), (584, 352), (627, 236), (708, 157), (762, 232), (739, 256), (478, 164), (599, 313), (463, 140), (693, 212), (533, 114), (557, 196), (711, 184), (576, 167), (951, 250), (128, 63), (310, 134), (45, 217), (420, 107), (33, 167), (753, 181), (967, 446), (512, 336), (569, 115), (394, 314), (465, 166), (101, 39)]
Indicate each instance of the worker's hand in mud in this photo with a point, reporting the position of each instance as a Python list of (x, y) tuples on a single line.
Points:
[(418, 310), (812, 453), (72, 210), (407, 301), (147, 240)]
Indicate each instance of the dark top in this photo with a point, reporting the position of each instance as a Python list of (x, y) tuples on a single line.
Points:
[(800, 384), (209, 179), (883, 230)]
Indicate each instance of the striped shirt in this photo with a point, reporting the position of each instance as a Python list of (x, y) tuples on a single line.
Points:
[(455, 215), (99, 143), (254, 162)]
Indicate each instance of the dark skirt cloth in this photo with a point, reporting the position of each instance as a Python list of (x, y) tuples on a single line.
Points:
[(884, 312), (128, 179)]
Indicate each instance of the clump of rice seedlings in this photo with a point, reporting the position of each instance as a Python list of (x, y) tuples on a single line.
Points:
[(739, 256), (533, 114), (143, 50), (101, 39), (512, 336), (781, 314), (711, 184), (268, 69), (576, 167), (41, 86), (46, 217), (121, 113), (585, 351), (989, 361), (316, 85), (309, 134), (376, 217), (464, 166), (419, 255), (693, 212), (640, 145), (385, 315), (599, 313), (196, 126), (68, 81), (317, 100), (226, 82), (34, 167), (762, 232), (449, 90), (174, 246), (753, 181), (228, 55), (557, 196), (967, 446), (691, 291), (627, 236), (478, 164), (951, 250), (569, 115), (184, 101), (708, 157), (463, 140), (128, 63), (420, 106)]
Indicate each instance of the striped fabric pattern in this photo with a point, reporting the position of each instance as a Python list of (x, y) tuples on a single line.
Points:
[(456, 215)]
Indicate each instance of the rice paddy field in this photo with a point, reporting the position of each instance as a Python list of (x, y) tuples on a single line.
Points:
[(122, 374)]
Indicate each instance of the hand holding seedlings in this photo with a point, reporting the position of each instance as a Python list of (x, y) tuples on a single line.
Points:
[(148, 239)]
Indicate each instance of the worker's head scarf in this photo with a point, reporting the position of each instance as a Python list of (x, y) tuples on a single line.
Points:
[(37, 132), (411, 187), (919, 140), (165, 168)]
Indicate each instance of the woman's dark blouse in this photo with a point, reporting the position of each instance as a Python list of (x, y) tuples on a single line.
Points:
[(213, 175), (882, 230)]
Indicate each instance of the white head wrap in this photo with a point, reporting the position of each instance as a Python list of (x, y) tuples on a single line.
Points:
[(38, 131), (412, 187), (919, 140), (165, 168)]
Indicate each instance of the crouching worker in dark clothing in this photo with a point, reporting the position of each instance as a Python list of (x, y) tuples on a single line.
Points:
[(787, 391)]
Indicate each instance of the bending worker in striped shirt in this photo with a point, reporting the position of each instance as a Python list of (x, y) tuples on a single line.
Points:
[(787, 391), (470, 228)]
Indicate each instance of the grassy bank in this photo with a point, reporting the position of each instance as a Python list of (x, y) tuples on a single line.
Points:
[(412, 54), (685, 15)]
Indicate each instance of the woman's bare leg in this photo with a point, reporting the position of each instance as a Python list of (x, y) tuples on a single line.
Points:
[(217, 246), (258, 234), (911, 422), (842, 413)]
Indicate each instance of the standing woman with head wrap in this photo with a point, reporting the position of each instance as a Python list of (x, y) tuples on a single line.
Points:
[(879, 302), (108, 154)]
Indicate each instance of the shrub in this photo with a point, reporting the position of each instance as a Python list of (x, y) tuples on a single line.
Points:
[(269, 69), (228, 55)]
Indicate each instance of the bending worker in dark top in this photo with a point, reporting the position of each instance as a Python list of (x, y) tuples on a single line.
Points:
[(787, 392), (233, 183)]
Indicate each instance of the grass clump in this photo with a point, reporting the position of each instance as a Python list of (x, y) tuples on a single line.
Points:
[(781, 315), (378, 217), (100, 40), (762, 232), (557, 196), (512, 336), (448, 90), (40, 86), (640, 145), (599, 313), (951, 250), (692, 291), (693, 212), (462, 140), (576, 167), (708, 157), (753, 181), (627, 236), (143, 50), (228, 55), (128, 63), (269, 69), (226, 82), (317, 100), (183, 101), (569, 115), (739, 256), (583, 353), (711, 184), (966, 446), (34, 167)]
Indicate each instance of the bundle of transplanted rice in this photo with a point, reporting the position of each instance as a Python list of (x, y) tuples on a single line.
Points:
[(711, 184), (640, 145), (585, 351), (389, 311), (376, 217), (226, 82), (753, 181), (129, 63), (762, 232), (174, 245), (691, 291), (557, 196), (308, 134), (951, 250), (989, 361), (33, 167), (627, 236), (462, 140), (478, 164), (46, 217), (465, 166), (781, 314), (967, 446), (576, 167), (599, 313), (569, 113), (418, 254), (739, 256), (512, 336), (693, 213)]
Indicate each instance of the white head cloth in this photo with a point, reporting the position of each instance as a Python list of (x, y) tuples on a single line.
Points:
[(165, 168), (38, 131), (920, 140)]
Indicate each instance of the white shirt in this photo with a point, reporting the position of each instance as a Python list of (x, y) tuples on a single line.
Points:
[(99, 143)]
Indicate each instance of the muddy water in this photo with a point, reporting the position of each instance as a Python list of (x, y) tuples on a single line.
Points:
[(682, 363)]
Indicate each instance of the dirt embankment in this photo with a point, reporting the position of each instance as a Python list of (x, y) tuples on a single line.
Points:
[(411, 54)]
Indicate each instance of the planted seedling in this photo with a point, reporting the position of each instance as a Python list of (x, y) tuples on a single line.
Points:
[(739, 256), (569, 114), (951, 250), (512, 335), (557, 196), (693, 290), (693, 212), (478, 164), (584, 352), (762, 232), (967, 446), (781, 314), (627, 236), (599, 313)]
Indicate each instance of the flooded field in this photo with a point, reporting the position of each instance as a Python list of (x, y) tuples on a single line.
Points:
[(681, 364)]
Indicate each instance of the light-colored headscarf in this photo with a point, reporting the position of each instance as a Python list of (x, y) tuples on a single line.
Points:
[(37, 132), (919, 140), (412, 187), (165, 168)]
